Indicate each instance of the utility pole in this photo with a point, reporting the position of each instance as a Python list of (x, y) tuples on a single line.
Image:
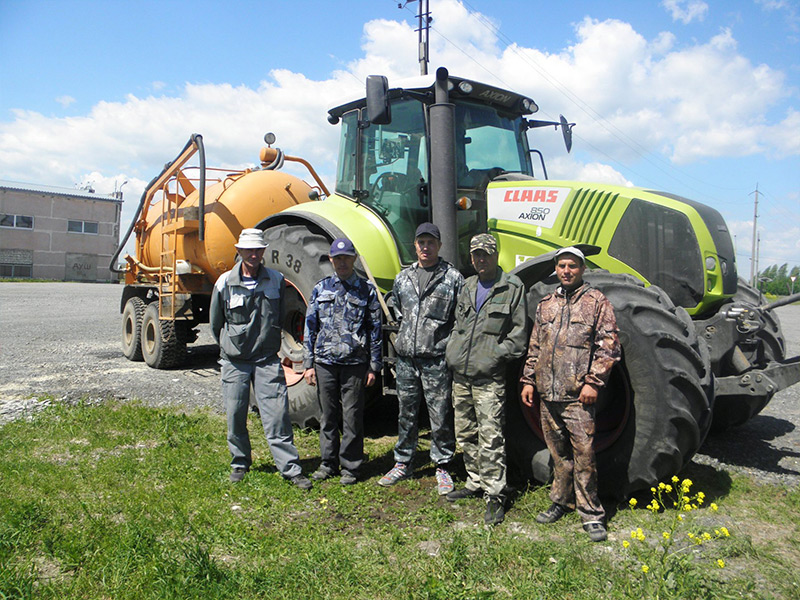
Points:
[(423, 29), (753, 258)]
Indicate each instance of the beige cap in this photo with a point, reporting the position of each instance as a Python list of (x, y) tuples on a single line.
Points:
[(251, 239)]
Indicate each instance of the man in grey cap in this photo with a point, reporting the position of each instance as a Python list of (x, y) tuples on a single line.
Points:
[(245, 318), (342, 355), (489, 332), (573, 347), (425, 299)]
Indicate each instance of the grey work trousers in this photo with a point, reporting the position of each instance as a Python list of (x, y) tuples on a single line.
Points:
[(272, 399), (341, 396), (427, 378)]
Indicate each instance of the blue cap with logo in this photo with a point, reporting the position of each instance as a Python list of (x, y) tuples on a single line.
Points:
[(342, 246)]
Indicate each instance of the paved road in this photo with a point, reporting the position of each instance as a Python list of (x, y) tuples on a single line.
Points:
[(63, 339)]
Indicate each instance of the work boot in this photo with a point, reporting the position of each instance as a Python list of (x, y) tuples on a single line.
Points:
[(596, 530), (323, 472), (237, 474), (462, 494), (300, 481), (495, 513), (347, 478), (552, 514)]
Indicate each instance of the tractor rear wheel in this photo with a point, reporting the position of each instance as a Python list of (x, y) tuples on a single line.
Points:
[(767, 345), (132, 328), (301, 256), (655, 411), (162, 345)]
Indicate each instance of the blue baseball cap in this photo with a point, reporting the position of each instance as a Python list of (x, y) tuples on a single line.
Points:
[(342, 246)]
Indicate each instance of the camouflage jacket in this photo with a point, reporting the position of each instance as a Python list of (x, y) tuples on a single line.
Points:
[(343, 324), (247, 323), (574, 341), (426, 316), (483, 341)]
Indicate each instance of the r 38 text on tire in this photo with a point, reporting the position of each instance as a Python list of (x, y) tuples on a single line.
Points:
[(295, 264)]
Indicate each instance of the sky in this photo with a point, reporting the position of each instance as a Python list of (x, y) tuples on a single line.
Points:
[(700, 98)]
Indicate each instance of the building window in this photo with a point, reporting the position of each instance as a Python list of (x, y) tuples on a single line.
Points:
[(18, 221), (15, 271), (82, 227)]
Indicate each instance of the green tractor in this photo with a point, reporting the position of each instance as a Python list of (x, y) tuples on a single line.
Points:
[(699, 350)]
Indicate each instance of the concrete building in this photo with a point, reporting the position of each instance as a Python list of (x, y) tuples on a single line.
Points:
[(57, 233)]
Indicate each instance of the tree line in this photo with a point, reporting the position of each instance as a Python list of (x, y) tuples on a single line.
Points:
[(777, 280)]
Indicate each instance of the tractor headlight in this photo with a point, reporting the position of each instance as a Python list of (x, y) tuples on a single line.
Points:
[(710, 263), (465, 87)]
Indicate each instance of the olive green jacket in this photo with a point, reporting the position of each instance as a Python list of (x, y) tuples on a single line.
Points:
[(484, 341)]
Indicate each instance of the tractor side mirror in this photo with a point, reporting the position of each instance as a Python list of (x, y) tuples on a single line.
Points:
[(378, 109), (566, 131)]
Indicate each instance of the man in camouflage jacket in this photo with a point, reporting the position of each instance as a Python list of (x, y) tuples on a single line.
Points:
[(490, 331), (573, 347), (425, 299), (342, 356)]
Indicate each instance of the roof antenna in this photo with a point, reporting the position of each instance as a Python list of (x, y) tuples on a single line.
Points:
[(423, 28)]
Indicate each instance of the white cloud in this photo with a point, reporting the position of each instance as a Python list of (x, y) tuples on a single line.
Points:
[(686, 11), (65, 101)]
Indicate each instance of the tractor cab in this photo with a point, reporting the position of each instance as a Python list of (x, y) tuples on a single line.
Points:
[(385, 153)]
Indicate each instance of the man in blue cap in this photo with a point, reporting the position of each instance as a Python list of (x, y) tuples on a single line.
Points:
[(342, 356)]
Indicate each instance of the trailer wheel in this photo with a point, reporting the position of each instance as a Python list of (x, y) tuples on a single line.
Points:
[(132, 328), (656, 409), (768, 344), (162, 346), (301, 256)]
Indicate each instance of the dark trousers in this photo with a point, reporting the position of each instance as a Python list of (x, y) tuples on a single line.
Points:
[(341, 396)]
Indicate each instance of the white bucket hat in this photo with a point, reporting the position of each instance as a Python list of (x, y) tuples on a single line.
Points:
[(251, 239)]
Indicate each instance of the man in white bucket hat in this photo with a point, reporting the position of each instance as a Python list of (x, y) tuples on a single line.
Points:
[(246, 308)]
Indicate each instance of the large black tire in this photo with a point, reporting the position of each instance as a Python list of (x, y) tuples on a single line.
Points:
[(767, 345), (656, 409), (132, 328), (162, 345), (301, 255)]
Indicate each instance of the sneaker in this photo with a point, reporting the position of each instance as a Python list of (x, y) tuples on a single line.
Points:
[(552, 514), (301, 481), (324, 472), (348, 479), (398, 472), (596, 530), (462, 494), (444, 483), (237, 474), (495, 513)]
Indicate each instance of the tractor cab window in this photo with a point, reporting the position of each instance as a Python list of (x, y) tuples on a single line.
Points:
[(395, 173), (487, 144)]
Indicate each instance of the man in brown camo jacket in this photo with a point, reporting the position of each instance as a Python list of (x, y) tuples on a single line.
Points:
[(573, 347)]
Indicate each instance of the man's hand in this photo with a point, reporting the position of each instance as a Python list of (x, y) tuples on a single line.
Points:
[(527, 395), (588, 394), (370, 379), (310, 375)]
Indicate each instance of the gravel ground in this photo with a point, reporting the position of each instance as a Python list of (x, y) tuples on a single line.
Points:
[(62, 340)]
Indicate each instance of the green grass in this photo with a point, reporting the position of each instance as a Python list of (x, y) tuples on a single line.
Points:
[(124, 501)]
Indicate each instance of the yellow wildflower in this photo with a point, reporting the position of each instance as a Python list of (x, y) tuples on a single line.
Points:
[(675, 479), (625, 543), (720, 563), (690, 535), (632, 502), (645, 569), (706, 536), (661, 486), (680, 517), (725, 531), (714, 506), (652, 489), (665, 535), (668, 488), (633, 534), (686, 483)]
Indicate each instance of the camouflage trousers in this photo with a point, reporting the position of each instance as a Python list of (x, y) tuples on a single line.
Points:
[(568, 429), (427, 378), (479, 421)]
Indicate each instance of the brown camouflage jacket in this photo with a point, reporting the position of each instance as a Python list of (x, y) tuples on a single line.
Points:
[(574, 341)]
